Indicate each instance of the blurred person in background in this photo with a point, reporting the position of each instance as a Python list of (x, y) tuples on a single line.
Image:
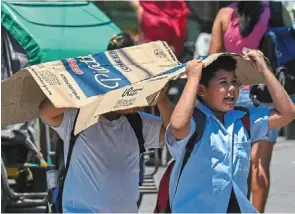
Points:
[(199, 26), (243, 24), (162, 20)]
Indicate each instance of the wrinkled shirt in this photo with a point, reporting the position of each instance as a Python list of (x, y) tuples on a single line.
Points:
[(103, 175), (219, 162)]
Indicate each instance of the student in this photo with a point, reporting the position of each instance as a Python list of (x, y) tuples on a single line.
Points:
[(219, 164), (243, 24), (103, 175)]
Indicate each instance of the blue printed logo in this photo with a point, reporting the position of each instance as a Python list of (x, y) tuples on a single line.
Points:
[(95, 74)]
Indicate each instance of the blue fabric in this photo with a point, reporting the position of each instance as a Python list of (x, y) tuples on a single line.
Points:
[(141, 169), (284, 44), (244, 100), (215, 165)]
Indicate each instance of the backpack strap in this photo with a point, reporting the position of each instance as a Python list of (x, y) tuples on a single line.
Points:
[(245, 119), (59, 155), (68, 160), (162, 205), (136, 124), (200, 121)]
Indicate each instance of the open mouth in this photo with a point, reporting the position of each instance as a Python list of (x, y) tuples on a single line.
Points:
[(229, 99)]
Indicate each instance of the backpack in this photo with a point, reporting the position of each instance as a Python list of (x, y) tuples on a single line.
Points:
[(55, 194), (163, 204), (278, 45)]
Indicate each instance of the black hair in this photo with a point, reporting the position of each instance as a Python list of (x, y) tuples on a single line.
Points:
[(249, 13), (121, 40), (224, 62)]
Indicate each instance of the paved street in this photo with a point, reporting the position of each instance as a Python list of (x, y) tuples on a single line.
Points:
[(282, 193)]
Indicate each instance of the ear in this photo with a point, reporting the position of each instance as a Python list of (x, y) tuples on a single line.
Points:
[(201, 90)]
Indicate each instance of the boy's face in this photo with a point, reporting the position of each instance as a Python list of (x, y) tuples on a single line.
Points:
[(222, 91), (127, 111)]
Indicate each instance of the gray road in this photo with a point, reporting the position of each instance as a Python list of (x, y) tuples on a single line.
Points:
[(282, 192)]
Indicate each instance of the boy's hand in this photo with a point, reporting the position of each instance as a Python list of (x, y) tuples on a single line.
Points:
[(162, 94), (194, 69), (258, 60)]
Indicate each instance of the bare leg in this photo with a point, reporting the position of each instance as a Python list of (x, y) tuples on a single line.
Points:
[(259, 173)]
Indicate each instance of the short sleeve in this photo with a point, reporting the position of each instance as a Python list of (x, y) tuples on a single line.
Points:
[(175, 146), (258, 122), (151, 127)]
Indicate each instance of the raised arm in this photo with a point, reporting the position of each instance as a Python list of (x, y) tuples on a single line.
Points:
[(181, 116), (51, 115), (166, 108), (284, 111)]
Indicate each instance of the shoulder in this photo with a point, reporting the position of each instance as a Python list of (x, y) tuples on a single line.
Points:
[(224, 12), (223, 17), (147, 116)]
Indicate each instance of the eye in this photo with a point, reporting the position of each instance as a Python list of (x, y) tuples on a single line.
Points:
[(223, 82), (235, 82)]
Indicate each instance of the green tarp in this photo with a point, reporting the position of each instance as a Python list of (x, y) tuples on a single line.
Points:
[(56, 30)]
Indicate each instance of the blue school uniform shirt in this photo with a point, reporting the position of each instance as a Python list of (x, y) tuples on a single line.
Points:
[(219, 162)]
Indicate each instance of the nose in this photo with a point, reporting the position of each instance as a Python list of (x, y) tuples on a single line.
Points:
[(231, 88)]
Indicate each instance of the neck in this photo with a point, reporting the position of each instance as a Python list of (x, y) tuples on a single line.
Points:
[(219, 115), (112, 116)]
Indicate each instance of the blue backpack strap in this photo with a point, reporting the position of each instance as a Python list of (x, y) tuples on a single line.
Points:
[(67, 165), (136, 124)]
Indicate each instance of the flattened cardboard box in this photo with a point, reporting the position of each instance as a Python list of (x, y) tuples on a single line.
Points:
[(100, 83)]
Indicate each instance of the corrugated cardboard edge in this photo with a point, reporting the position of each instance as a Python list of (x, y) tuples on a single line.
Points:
[(147, 95), (89, 114), (13, 96)]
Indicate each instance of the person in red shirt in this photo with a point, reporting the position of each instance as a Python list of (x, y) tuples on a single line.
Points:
[(162, 20)]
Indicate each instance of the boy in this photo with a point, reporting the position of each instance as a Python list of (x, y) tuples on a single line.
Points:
[(103, 175), (218, 167)]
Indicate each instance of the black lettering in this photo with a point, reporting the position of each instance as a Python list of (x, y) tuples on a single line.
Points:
[(124, 103), (129, 92), (118, 61), (70, 87)]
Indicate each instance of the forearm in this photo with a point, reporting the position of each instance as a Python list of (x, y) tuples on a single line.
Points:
[(166, 108), (50, 114), (47, 106), (281, 99), (180, 119)]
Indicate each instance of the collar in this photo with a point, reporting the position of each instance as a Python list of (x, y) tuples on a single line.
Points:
[(232, 115), (112, 122), (229, 117), (203, 108)]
